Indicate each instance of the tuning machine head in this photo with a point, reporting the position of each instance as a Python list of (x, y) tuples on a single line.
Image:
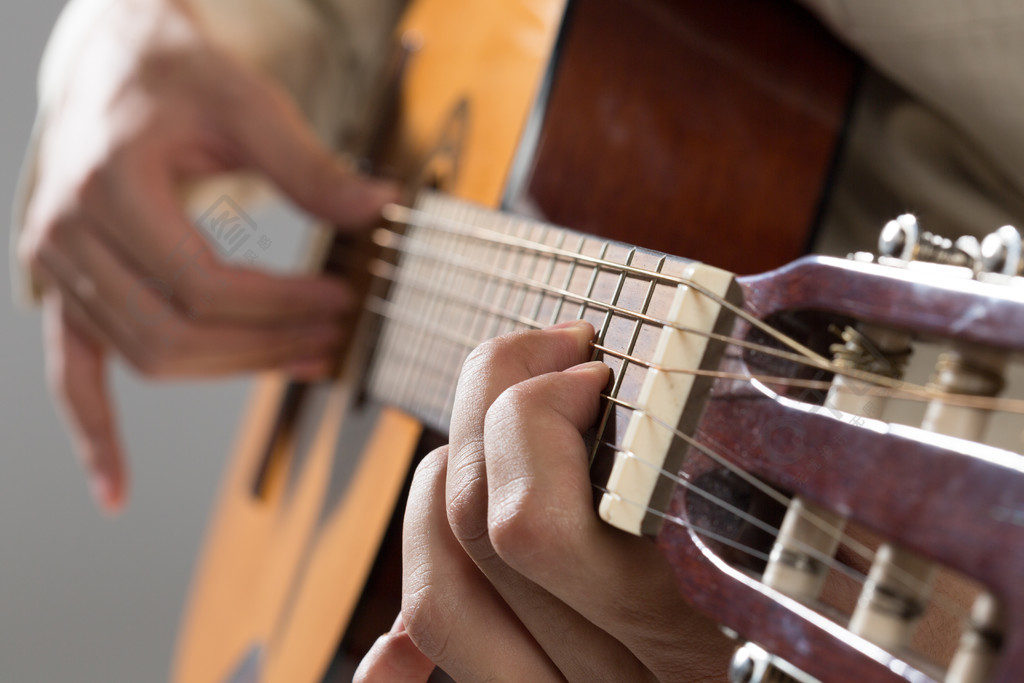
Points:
[(1002, 252), (903, 239)]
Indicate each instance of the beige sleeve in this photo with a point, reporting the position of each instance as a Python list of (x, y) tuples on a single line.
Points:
[(938, 128), (324, 53)]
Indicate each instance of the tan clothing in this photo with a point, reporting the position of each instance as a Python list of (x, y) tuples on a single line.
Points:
[(936, 131)]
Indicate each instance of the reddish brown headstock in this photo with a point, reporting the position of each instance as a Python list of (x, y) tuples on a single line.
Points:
[(959, 503)]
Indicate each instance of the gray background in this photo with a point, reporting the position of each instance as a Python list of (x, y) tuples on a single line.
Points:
[(83, 597)]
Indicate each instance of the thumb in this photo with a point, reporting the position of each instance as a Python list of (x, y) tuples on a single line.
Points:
[(394, 658), (277, 140), (76, 368)]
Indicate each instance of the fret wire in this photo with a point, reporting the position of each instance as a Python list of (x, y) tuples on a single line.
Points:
[(387, 271), (767, 350), (504, 295), (590, 287), (465, 322), (601, 335), (454, 357), (386, 372), (765, 488), (530, 273), (389, 310), (438, 307), (560, 237), (491, 283), (412, 298), (621, 375), (504, 286), (614, 300), (400, 214), (421, 268), (492, 256), (381, 307), (570, 271)]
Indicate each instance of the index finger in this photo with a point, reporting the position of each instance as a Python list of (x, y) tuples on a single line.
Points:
[(543, 525), (490, 370)]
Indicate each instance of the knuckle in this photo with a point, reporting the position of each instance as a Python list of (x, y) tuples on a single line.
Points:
[(511, 406), (466, 497), (525, 532), (158, 349), (431, 466), (428, 615), (194, 291), (493, 352)]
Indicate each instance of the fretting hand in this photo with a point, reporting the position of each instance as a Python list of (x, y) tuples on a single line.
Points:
[(150, 105), (508, 573)]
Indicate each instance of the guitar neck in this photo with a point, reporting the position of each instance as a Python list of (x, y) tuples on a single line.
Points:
[(463, 274)]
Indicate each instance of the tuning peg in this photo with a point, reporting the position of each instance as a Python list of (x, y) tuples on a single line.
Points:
[(903, 239), (1001, 252), (900, 238)]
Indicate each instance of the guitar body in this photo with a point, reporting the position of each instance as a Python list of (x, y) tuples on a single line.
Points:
[(685, 126)]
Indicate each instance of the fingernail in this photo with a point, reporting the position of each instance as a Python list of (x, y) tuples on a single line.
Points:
[(569, 324), (103, 492), (594, 366)]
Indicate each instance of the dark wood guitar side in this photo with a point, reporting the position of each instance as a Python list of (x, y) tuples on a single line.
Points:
[(703, 129), (706, 129)]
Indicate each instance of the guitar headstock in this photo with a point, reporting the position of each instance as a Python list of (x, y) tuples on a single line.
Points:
[(802, 516)]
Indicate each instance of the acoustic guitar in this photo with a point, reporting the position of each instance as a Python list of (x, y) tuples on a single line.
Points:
[(740, 432)]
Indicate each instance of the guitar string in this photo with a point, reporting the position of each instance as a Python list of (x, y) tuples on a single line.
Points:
[(827, 560), (395, 241), (700, 531), (414, 217), (912, 391), (908, 391), (380, 307), (389, 271), (946, 604), (989, 403)]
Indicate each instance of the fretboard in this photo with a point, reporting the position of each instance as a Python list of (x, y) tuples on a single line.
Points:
[(462, 274)]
